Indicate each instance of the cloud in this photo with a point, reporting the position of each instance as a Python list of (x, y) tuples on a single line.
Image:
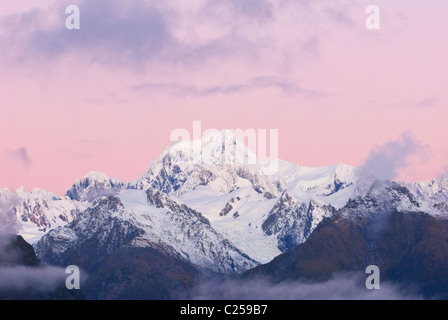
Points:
[(20, 157), (119, 33), (113, 32), (132, 33), (258, 9), (18, 277), (340, 16), (385, 161), (252, 84), (341, 287), (26, 278), (311, 45), (428, 103), (84, 149)]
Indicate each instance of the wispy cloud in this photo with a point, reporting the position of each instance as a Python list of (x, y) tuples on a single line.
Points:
[(138, 32), (385, 161), (341, 287), (115, 33), (19, 157), (340, 15), (128, 34), (428, 103), (25, 278), (82, 149), (182, 90), (258, 9)]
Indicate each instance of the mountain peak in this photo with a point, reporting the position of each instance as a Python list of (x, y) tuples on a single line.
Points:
[(94, 185), (216, 148), (21, 191), (97, 176)]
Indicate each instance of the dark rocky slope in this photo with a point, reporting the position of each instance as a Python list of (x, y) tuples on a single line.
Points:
[(411, 249)]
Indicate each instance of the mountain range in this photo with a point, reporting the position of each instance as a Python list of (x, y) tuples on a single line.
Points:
[(409, 247), (197, 213)]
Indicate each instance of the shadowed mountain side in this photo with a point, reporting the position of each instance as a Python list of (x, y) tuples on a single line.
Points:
[(335, 246), (411, 249), (140, 274), (14, 250), (23, 277)]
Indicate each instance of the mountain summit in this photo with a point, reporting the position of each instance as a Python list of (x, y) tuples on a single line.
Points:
[(203, 212), (92, 186)]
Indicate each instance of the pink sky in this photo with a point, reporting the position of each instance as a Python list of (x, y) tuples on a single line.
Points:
[(107, 97)]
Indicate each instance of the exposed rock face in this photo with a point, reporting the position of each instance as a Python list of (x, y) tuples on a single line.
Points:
[(293, 222), (15, 251)]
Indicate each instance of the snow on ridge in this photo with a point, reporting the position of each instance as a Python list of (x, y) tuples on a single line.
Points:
[(236, 199)]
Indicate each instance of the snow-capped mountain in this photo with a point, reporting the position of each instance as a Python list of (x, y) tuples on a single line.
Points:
[(332, 185), (434, 194), (93, 186), (143, 219), (395, 226), (33, 214), (389, 196), (237, 193), (220, 161), (293, 222), (210, 203)]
